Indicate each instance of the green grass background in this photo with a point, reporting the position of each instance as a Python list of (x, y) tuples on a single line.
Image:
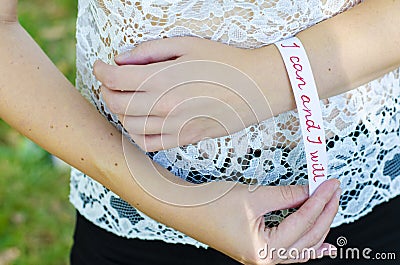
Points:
[(36, 219)]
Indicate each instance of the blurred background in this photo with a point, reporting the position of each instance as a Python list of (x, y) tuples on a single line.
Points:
[(36, 219)]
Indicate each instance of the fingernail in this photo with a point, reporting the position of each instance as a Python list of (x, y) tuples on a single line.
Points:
[(123, 56), (326, 250), (95, 66), (97, 63), (338, 193), (337, 183), (332, 251)]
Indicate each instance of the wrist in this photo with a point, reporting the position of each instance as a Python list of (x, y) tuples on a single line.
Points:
[(272, 78)]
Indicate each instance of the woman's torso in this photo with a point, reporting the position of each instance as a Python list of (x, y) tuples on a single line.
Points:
[(362, 125)]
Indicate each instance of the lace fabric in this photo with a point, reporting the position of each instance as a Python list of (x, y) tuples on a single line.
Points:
[(362, 126)]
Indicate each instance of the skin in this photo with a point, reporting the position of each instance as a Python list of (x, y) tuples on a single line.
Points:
[(342, 53), (37, 100)]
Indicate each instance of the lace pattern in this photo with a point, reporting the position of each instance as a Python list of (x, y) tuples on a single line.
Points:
[(362, 126)]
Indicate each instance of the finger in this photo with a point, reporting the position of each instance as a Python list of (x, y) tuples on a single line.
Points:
[(320, 242), (129, 77), (299, 223), (301, 255), (152, 143), (157, 142), (8, 11), (155, 51), (326, 249), (318, 232), (131, 103), (145, 125), (268, 198), (177, 131), (306, 249), (315, 253)]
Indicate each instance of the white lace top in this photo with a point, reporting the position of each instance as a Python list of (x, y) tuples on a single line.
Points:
[(362, 126)]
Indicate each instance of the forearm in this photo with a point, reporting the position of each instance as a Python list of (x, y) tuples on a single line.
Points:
[(38, 101), (345, 51)]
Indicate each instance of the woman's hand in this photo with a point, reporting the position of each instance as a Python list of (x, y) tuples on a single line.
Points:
[(181, 90), (65, 124), (340, 53), (237, 223), (8, 11)]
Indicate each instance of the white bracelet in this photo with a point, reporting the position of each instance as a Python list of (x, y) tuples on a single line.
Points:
[(308, 106)]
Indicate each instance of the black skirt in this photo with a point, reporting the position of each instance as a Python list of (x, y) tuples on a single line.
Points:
[(377, 235)]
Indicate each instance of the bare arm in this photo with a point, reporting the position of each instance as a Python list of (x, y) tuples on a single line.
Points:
[(345, 51), (37, 100)]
